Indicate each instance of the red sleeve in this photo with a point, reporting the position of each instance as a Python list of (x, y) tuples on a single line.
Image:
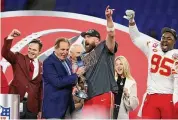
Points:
[(6, 53)]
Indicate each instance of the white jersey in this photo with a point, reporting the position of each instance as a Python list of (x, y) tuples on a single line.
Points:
[(161, 66)]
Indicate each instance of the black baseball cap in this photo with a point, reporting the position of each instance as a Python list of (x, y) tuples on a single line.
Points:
[(170, 30), (91, 32)]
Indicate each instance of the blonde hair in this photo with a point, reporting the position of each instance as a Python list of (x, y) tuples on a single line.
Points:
[(126, 67)]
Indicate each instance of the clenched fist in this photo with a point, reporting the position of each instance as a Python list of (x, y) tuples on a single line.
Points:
[(14, 33), (130, 14)]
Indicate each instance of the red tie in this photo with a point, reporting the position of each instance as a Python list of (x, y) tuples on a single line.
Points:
[(31, 70)]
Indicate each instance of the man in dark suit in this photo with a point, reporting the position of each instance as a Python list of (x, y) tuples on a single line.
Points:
[(58, 80), (27, 80)]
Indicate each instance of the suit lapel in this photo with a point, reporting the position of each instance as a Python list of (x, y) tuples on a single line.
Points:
[(69, 64), (59, 62), (27, 62), (128, 84), (25, 66), (65, 69)]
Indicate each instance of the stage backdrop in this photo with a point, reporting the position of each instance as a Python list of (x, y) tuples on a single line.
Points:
[(50, 25)]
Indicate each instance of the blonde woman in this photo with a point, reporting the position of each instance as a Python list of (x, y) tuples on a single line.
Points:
[(126, 99)]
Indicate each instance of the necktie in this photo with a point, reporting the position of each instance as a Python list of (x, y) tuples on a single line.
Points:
[(31, 69), (66, 67)]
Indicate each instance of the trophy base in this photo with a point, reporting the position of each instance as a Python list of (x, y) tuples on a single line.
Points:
[(81, 94)]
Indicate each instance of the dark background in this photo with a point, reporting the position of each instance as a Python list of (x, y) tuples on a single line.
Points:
[(151, 15)]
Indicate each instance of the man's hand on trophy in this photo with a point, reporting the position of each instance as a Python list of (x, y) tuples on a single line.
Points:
[(14, 33), (80, 71), (75, 90), (130, 15)]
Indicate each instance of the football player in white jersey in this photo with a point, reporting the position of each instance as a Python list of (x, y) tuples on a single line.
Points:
[(162, 83)]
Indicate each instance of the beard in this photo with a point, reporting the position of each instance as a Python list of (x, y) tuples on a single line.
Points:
[(89, 47)]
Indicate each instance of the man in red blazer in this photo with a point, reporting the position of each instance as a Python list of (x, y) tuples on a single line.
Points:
[(27, 71)]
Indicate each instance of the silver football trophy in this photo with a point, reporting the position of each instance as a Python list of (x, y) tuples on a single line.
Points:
[(81, 93)]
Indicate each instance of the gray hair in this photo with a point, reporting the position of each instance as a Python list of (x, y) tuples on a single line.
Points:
[(73, 46)]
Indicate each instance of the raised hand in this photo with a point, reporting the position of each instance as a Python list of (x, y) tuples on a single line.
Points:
[(14, 33), (130, 14), (108, 12)]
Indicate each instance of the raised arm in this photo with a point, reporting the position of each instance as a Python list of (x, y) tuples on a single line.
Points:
[(110, 38), (141, 41), (6, 53)]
